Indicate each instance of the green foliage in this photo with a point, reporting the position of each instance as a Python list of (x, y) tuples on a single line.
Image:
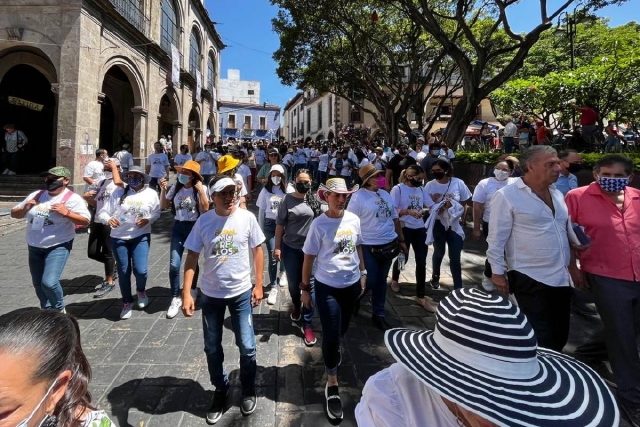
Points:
[(588, 159)]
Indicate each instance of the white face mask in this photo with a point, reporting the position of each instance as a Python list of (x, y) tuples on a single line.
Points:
[(501, 175), (276, 180), (25, 422)]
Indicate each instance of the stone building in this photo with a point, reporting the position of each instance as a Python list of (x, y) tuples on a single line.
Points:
[(232, 89), (80, 75), (241, 121)]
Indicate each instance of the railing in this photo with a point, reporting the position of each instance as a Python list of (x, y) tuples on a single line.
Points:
[(130, 10)]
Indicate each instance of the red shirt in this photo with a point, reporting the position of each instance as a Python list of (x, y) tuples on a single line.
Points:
[(542, 135), (615, 236), (588, 117)]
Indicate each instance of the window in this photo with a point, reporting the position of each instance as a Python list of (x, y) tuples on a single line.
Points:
[(320, 115), (356, 115), (194, 53), (247, 122), (231, 121), (211, 72), (331, 110), (168, 26), (309, 120), (295, 112), (263, 123), (251, 92)]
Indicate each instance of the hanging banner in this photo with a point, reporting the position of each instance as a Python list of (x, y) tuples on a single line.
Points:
[(214, 99), (175, 66), (24, 103), (198, 86)]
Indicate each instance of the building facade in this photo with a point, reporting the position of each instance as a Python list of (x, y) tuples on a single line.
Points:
[(232, 89), (249, 122), (80, 75)]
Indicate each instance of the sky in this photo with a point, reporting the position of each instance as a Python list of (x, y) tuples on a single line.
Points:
[(245, 27)]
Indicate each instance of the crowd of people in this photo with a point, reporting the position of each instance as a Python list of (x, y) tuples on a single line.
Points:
[(336, 221)]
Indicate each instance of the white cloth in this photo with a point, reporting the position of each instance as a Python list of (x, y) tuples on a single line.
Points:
[(107, 188), (449, 218), (334, 242), (143, 204), (394, 397), (181, 159), (126, 159), (363, 163), (534, 239), (46, 228), (457, 191), (185, 203), (377, 214), (225, 241), (95, 171), (405, 197), (324, 161), (484, 191), (269, 202), (207, 166), (159, 163)]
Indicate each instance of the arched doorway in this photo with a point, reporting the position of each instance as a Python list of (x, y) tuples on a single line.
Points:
[(116, 117), (168, 118), (193, 136), (26, 101)]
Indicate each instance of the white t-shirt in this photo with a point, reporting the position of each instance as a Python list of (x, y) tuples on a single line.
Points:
[(483, 193), (334, 243), (344, 171), (270, 202), (143, 204), (185, 203), (245, 172), (95, 171), (376, 212), (104, 194), (159, 163), (324, 161), (405, 197), (301, 156), (363, 163), (181, 159), (46, 228), (126, 159), (207, 167), (288, 160), (225, 241)]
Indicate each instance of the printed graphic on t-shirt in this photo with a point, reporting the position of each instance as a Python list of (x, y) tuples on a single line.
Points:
[(345, 244), (41, 214), (383, 210), (105, 195), (131, 211), (223, 245), (186, 204), (414, 203), (274, 203), (157, 161)]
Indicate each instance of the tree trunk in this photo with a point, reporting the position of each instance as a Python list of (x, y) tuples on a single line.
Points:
[(463, 114)]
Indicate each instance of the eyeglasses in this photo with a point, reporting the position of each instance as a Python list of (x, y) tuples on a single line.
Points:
[(227, 194)]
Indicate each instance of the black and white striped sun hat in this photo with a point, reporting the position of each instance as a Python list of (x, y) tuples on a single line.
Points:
[(483, 355)]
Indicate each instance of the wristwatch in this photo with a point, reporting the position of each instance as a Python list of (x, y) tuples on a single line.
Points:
[(304, 287), (363, 272)]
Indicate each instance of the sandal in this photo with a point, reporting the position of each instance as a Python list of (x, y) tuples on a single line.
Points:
[(427, 305)]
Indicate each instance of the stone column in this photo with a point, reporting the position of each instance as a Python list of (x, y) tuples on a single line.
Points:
[(141, 148)]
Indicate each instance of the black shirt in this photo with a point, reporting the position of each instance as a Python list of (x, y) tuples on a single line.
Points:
[(397, 164)]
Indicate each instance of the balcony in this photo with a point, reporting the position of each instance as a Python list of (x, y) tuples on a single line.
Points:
[(130, 10)]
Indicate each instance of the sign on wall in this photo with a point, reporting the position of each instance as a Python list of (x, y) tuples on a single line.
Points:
[(24, 103), (175, 66), (198, 86)]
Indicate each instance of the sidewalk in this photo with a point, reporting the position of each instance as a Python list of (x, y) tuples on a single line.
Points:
[(151, 371)]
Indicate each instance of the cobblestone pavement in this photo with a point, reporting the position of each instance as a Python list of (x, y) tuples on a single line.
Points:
[(151, 371)]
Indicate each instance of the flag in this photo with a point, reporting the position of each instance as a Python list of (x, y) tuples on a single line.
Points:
[(198, 85)]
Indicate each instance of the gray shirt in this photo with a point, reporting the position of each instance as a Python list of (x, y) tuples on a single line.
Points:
[(295, 215)]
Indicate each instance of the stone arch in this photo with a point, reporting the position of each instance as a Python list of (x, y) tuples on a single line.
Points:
[(331, 136), (132, 72), (32, 56), (169, 117)]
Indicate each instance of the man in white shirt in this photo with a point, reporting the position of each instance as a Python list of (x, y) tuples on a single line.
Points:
[(529, 223), (125, 158), (94, 171), (300, 158), (509, 135), (207, 164), (157, 166)]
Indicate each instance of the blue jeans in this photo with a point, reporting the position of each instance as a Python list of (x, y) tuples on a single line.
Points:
[(335, 306), (377, 272), (454, 243), (46, 265), (132, 254), (181, 230), (612, 142), (269, 230), (293, 260), (322, 177), (314, 170), (213, 310), (415, 238), (509, 143)]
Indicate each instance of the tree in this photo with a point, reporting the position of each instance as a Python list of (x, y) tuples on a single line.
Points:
[(368, 53), (496, 53)]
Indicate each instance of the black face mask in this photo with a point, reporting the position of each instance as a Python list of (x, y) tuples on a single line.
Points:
[(574, 167), (54, 184), (303, 187), (438, 175), (402, 151)]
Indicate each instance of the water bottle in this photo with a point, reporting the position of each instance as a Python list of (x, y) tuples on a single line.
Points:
[(401, 261)]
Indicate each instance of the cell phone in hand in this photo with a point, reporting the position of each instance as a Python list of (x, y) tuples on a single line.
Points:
[(580, 234)]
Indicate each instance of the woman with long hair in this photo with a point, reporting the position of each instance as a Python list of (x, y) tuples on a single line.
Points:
[(334, 240), (274, 159), (188, 198), (447, 198), (44, 380), (268, 204)]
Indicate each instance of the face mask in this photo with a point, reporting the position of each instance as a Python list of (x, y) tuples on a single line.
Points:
[(25, 422), (276, 180), (382, 182), (134, 181), (303, 187), (613, 185), (402, 151), (501, 175), (183, 179), (414, 182), (574, 167), (438, 175), (54, 184)]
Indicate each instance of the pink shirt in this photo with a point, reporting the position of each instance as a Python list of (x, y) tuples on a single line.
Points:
[(615, 236)]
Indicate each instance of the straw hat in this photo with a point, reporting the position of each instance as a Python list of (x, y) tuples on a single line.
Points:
[(192, 166), (367, 172), (335, 185)]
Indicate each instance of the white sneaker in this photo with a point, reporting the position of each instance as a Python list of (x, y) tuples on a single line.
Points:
[(6, 171), (194, 294), (126, 310), (143, 299), (273, 295), (487, 284), (174, 308), (282, 280), (11, 173)]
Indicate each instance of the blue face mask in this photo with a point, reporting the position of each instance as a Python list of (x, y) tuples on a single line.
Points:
[(613, 185), (183, 179), (134, 181)]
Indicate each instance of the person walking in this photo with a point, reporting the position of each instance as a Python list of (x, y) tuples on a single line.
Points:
[(382, 238), (570, 163), (528, 223), (125, 158), (509, 135), (12, 148), (188, 199), (609, 211), (207, 164), (334, 240), (51, 215), (157, 166), (94, 171), (226, 234), (446, 197), (182, 157), (129, 212), (274, 159), (397, 164)]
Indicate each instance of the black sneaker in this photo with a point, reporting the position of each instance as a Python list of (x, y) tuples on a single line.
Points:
[(380, 322), (217, 406), (434, 282), (105, 289), (632, 412), (249, 402), (356, 307), (333, 403)]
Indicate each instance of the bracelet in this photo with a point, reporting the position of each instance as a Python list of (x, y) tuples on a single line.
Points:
[(304, 287)]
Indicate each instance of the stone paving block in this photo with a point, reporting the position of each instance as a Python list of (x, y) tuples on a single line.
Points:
[(134, 325), (307, 419), (159, 334), (125, 348), (290, 390), (160, 355), (104, 374), (174, 375), (300, 356)]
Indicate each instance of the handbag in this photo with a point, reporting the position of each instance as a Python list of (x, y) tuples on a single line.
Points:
[(385, 252)]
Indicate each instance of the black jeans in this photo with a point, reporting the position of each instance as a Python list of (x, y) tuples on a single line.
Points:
[(547, 309), (99, 247), (415, 238), (487, 267)]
